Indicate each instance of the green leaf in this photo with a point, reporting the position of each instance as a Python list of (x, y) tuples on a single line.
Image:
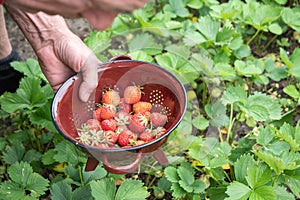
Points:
[(177, 191), (132, 190), (11, 191), (19, 172), (292, 91), (140, 55), (61, 191), (37, 185), (265, 135), (278, 147), (234, 94), (225, 35), (176, 8), (67, 152), (226, 71), (193, 38), (32, 155), (264, 193), (182, 51), (274, 72), (195, 4), (217, 113), (171, 174), (28, 96), (3, 144), (282, 193), (208, 27), (13, 154), (275, 28), (82, 193), (198, 186), (200, 123), (22, 174), (287, 133), (186, 176), (263, 107), (145, 42), (238, 191), (47, 157), (98, 173), (293, 181), (291, 17), (98, 41), (42, 117), (216, 193), (104, 189), (30, 68), (258, 175), (248, 68), (241, 167), (274, 162)]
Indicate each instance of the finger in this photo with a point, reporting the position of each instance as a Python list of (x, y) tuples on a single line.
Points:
[(100, 19), (89, 78)]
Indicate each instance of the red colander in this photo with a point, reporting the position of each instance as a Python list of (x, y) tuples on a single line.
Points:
[(161, 88)]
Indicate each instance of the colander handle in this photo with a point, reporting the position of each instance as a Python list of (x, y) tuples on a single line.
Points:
[(122, 169), (120, 57)]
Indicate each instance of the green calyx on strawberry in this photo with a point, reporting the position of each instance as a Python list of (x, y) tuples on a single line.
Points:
[(122, 118), (138, 122), (111, 137), (91, 124)]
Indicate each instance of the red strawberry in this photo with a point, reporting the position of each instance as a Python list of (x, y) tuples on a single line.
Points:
[(141, 107), (109, 124), (125, 138), (146, 136), (158, 119), (132, 94), (111, 97), (108, 111), (125, 107), (138, 123), (112, 137), (93, 124), (97, 114)]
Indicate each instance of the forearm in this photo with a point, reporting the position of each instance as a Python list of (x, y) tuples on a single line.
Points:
[(40, 29), (5, 45)]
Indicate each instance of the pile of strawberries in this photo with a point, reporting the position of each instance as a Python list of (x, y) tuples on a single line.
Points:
[(122, 121)]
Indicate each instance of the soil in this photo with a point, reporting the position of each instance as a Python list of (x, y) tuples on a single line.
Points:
[(78, 26)]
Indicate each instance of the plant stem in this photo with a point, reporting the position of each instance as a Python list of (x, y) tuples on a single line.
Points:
[(268, 44), (253, 37), (80, 176), (231, 122)]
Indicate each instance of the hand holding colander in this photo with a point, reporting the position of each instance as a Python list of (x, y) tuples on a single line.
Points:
[(162, 89)]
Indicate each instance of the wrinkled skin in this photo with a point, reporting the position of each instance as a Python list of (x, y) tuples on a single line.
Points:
[(97, 12)]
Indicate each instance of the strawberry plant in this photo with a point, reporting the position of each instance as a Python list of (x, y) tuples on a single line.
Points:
[(239, 139)]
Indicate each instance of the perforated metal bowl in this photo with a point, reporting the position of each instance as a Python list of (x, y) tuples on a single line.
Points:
[(160, 88)]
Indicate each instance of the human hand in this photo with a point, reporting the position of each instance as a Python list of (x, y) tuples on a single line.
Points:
[(66, 56), (100, 13), (60, 52)]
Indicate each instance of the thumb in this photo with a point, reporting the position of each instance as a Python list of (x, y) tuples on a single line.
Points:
[(89, 77)]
